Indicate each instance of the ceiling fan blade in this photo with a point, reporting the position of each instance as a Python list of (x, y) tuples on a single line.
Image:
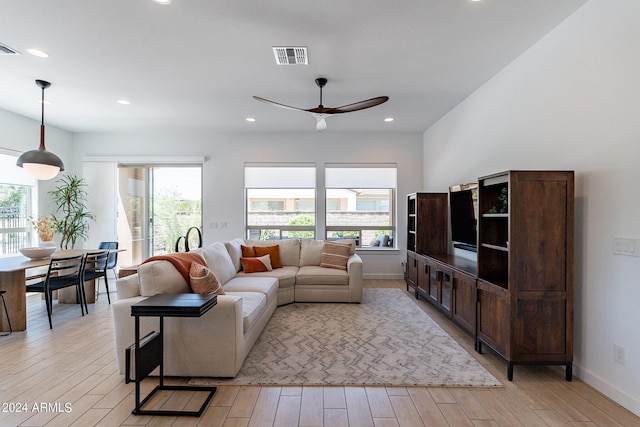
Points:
[(277, 104), (358, 105), (321, 112)]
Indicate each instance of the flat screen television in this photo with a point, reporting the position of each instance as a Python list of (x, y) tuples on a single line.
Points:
[(463, 211)]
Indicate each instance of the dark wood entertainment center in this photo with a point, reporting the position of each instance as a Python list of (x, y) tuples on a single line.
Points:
[(517, 298)]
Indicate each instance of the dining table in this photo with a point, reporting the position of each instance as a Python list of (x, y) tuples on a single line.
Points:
[(13, 278)]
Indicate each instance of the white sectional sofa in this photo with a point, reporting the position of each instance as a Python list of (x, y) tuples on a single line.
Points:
[(216, 344)]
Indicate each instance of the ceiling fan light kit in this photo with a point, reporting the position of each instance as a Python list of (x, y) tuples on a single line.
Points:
[(40, 163), (321, 112)]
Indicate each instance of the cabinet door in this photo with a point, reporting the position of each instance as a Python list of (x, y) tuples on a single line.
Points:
[(423, 275), (446, 290), (493, 317), (464, 301), (412, 269), (435, 276)]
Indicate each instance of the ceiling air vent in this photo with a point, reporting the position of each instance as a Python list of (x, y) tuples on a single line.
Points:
[(290, 55), (6, 50)]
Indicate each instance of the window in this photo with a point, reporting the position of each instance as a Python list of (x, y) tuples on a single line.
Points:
[(280, 201), (359, 200), (17, 198), (158, 204), (267, 205)]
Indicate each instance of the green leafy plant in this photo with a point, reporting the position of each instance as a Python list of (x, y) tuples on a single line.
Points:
[(301, 220), (70, 199)]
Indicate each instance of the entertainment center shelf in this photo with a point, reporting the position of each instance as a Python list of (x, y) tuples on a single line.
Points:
[(517, 298)]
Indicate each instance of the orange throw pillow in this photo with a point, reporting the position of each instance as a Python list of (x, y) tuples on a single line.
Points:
[(247, 251), (272, 251), (256, 264), (203, 281)]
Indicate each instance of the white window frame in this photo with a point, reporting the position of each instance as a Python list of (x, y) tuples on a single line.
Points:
[(279, 176), (371, 176)]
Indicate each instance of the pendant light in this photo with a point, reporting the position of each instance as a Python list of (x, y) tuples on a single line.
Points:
[(40, 163)]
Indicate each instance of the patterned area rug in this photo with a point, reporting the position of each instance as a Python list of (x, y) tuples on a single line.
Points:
[(386, 340)]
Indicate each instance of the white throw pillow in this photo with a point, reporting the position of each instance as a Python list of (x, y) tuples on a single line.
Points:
[(235, 251), (161, 277), (310, 252), (219, 261)]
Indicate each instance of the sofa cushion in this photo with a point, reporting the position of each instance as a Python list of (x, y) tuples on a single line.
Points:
[(286, 275), (218, 260), (235, 252), (203, 281), (253, 283), (272, 251), (161, 277), (335, 255), (253, 306), (315, 275), (289, 249), (256, 264), (310, 252)]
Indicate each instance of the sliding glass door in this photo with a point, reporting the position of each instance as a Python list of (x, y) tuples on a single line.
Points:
[(158, 204)]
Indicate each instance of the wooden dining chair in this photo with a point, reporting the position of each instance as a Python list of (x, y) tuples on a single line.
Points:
[(62, 273)]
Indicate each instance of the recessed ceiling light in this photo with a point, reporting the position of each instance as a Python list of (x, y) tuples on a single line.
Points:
[(162, 1), (388, 119), (123, 102), (250, 119), (39, 53)]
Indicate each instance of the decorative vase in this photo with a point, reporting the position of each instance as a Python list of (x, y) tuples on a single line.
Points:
[(47, 243)]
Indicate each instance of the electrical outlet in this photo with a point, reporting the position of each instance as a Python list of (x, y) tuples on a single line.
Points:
[(626, 246), (619, 354)]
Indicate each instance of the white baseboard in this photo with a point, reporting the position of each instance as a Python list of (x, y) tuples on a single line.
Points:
[(389, 276), (620, 397)]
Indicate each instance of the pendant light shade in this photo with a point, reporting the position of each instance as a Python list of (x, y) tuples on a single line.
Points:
[(40, 163)]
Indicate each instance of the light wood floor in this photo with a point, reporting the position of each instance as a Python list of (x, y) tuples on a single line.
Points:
[(68, 377)]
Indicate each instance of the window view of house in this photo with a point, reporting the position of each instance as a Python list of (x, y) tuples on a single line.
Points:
[(359, 203), (280, 202)]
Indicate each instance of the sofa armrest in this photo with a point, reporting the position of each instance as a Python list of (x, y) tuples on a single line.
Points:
[(354, 269), (128, 286), (211, 345)]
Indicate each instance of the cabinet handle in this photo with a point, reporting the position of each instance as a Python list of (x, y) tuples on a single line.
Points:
[(426, 269), (415, 262)]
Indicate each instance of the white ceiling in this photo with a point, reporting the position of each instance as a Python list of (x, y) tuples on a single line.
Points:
[(195, 64)]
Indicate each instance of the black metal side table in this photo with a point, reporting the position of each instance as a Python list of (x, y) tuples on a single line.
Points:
[(149, 350)]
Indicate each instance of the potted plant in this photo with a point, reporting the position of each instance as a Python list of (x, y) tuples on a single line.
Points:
[(70, 198)]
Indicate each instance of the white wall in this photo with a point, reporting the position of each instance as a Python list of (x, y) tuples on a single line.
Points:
[(20, 134), (223, 173), (571, 102)]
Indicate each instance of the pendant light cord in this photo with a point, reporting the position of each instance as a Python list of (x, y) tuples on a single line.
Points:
[(42, 108)]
